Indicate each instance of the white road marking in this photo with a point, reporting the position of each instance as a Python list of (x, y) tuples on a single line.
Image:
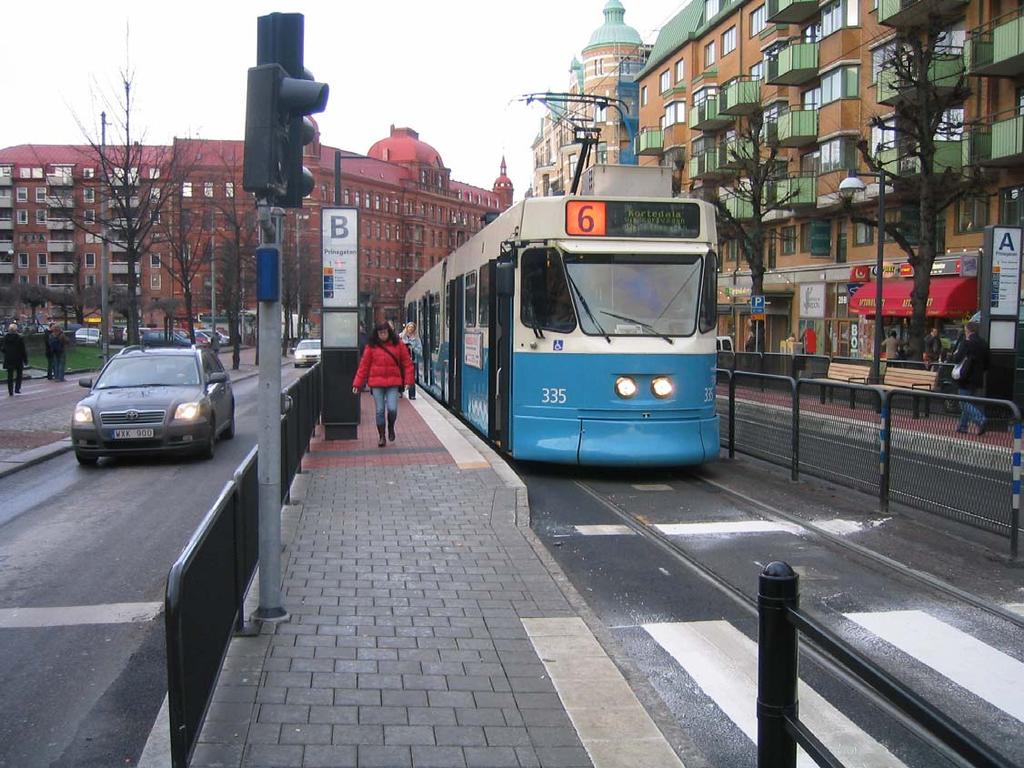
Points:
[(986, 672), (723, 662), (462, 452), (841, 527), (652, 487), (1015, 608), (604, 530), (66, 616), (738, 526)]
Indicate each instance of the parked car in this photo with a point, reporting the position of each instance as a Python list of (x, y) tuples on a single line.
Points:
[(152, 337), (87, 336), (204, 339), (307, 352), (151, 401)]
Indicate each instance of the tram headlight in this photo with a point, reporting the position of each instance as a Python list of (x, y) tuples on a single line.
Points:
[(625, 387), (662, 387)]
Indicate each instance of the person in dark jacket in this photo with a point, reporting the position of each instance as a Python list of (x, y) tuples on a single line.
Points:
[(15, 359), (973, 353), (49, 353), (932, 347), (387, 367), (58, 344)]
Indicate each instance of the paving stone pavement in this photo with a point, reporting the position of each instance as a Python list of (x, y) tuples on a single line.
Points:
[(406, 584)]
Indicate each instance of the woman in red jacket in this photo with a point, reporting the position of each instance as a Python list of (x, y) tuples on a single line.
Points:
[(388, 367)]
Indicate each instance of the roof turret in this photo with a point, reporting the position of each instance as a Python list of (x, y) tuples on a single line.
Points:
[(614, 31)]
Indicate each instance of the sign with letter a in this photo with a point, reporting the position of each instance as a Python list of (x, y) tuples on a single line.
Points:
[(340, 237), (1005, 286)]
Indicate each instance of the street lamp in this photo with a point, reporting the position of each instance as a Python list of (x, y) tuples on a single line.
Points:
[(848, 188)]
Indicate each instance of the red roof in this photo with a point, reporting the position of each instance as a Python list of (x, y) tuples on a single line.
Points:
[(947, 297), (404, 146)]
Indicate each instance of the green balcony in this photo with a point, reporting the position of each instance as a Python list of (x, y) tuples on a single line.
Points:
[(704, 164), (1000, 145), (735, 153), (704, 116), (791, 11), (945, 73), (797, 128), (898, 162), (738, 207), (915, 13), (997, 50), (795, 192), (795, 64), (741, 96), (651, 141)]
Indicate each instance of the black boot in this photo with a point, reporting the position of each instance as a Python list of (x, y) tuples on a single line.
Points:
[(381, 442), (391, 426)]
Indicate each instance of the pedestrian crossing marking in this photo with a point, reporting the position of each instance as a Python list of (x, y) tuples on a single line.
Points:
[(727, 527), (651, 487), (67, 616), (983, 670), (604, 530), (723, 662), (1015, 608)]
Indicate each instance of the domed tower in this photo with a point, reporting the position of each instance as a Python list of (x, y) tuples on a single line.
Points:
[(503, 187), (403, 147)]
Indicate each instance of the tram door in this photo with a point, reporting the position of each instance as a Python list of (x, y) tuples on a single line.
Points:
[(424, 328), (456, 293), (499, 343)]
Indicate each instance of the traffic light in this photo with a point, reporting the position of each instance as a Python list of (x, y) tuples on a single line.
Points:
[(280, 93)]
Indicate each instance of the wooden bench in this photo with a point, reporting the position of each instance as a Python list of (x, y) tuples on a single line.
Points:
[(910, 378), (848, 372)]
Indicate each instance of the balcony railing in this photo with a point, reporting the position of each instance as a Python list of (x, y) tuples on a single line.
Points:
[(704, 115), (60, 201), (797, 128), (6, 202), (998, 144), (60, 246), (735, 152), (944, 73), (791, 11), (6, 268), (737, 206), (6, 224), (651, 141), (997, 49), (740, 96), (5, 180), (704, 164), (60, 268), (907, 13), (59, 224), (59, 179), (794, 64), (898, 160), (795, 191)]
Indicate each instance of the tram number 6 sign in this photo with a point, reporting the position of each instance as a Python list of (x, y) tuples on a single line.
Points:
[(585, 218)]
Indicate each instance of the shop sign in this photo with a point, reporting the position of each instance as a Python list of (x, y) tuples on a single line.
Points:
[(1006, 242), (860, 273), (968, 266), (812, 300)]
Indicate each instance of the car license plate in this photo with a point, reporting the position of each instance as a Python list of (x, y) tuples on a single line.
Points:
[(132, 434)]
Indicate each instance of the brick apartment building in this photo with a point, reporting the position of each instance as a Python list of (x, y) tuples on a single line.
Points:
[(412, 213), (819, 73)]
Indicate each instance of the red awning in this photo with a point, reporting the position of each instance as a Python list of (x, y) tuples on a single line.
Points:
[(948, 297)]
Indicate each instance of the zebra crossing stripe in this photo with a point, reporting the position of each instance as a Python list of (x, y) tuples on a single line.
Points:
[(723, 662), (604, 530), (986, 672), (727, 527)]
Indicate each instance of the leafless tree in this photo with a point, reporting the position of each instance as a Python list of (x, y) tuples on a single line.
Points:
[(169, 307), (33, 296)]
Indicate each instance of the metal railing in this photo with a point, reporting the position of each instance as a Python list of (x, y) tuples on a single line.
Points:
[(779, 728), (921, 448), (207, 584)]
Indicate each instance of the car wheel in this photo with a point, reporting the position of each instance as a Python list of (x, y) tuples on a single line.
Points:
[(229, 430), (207, 452), (86, 461)]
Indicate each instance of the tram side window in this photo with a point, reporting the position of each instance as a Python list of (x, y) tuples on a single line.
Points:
[(435, 324), (485, 296), (410, 312), (546, 303), (471, 299), (709, 291)]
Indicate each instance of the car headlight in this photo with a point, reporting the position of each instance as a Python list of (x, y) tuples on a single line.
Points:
[(625, 387), (83, 414), (187, 412), (662, 387)]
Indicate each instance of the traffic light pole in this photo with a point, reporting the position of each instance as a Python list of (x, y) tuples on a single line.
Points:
[(268, 292)]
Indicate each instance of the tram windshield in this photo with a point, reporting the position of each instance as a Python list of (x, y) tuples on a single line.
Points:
[(635, 294)]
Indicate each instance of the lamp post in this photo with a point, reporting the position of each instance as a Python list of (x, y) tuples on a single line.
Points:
[(299, 217), (849, 187)]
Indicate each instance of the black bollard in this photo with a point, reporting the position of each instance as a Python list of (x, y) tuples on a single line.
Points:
[(777, 666)]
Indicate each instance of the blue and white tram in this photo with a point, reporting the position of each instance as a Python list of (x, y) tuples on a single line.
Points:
[(580, 330)]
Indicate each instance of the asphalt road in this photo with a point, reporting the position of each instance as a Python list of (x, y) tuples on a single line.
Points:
[(87, 694)]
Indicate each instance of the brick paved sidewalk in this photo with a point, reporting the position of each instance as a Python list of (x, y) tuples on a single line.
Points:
[(406, 581)]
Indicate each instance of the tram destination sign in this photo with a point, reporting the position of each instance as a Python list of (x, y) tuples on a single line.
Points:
[(621, 218)]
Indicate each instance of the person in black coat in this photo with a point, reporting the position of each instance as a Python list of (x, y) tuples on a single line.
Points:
[(972, 353), (49, 353), (15, 359)]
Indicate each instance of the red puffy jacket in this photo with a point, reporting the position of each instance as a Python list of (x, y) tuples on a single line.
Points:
[(387, 365)]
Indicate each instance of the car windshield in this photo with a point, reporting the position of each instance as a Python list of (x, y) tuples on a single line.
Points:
[(152, 371), (309, 344), (636, 294)]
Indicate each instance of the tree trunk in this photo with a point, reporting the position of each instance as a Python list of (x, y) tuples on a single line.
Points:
[(188, 312), (923, 269)]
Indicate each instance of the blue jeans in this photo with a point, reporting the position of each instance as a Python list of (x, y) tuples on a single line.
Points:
[(969, 411), (58, 367), (382, 394)]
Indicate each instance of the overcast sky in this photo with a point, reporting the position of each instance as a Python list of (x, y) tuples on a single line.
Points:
[(451, 69)]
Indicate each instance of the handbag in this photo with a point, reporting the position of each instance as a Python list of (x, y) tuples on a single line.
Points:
[(960, 369)]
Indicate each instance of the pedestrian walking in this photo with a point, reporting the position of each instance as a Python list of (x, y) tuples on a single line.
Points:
[(58, 348), (387, 367), (971, 361), (413, 343), (892, 346), (49, 353), (932, 347), (15, 359)]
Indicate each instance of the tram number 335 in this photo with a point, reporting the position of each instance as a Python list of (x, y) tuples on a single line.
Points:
[(552, 395)]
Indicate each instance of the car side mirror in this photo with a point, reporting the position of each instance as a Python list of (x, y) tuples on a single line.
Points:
[(87, 383), (218, 377)]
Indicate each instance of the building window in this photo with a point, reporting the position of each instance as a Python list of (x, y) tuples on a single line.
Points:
[(729, 41), (186, 189), (154, 260), (665, 81), (881, 56), (22, 194), (709, 54), (602, 153), (643, 96), (40, 215), (208, 189), (90, 281), (229, 189), (839, 154), (23, 260), (90, 216), (757, 71), (154, 282), (710, 9), (345, 197), (23, 216), (758, 20), (42, 279), (788, 241), (88, 173), (675, 112), (971, 214), (863, 234), (600, 113), (40, 259), (89, 195), (90, 261), (40, 194), (838, 14), (840, 83), (680, 71)]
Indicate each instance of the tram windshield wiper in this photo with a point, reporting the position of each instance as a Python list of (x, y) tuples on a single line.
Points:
[(641, 323), (586, 307)]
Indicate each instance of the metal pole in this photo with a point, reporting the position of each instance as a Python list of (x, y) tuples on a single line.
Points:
[(269, 410), (876, 359), (104, 247), (214, 343), (777, 654)]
